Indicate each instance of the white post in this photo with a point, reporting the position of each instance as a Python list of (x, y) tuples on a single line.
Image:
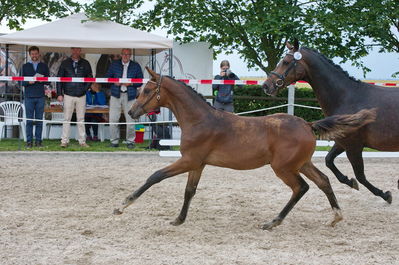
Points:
[(291, 99)]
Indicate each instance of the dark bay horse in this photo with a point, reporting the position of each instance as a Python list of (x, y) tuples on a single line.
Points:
[(338, 93), (214, 137)]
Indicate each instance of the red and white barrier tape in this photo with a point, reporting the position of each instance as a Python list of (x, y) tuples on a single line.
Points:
[(125, 80), (23, 119), (391, 83), (141, 80)]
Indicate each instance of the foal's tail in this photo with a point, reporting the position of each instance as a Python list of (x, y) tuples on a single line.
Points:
[(338, 126)]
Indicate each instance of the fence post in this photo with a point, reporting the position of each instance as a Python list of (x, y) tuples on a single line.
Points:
[(291, 99)]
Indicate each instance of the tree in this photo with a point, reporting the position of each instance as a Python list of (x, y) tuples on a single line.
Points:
[(376, 20), (120, 11), (258, 29), (16, 12), (385, 28)]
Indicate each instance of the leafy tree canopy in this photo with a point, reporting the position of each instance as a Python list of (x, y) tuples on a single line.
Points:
[(256, 29), (121, 11), (362, 24), (16, 12)]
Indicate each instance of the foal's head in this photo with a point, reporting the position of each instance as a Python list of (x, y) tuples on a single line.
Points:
[(149, 97), (290, 69)]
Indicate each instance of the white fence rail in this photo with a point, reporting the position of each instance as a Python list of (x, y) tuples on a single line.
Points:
[(290, 110), (316, 153)]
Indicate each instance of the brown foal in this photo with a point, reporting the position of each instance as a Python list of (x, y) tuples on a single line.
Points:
[(218, 138)]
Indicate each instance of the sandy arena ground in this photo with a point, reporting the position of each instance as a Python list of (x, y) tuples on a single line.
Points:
[(56, 208)]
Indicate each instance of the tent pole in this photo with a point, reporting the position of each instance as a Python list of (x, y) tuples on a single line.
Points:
[(153, 66), (20, 96), (153, 128), (171, 74), (7, 57), (6, 88), (171, 62)]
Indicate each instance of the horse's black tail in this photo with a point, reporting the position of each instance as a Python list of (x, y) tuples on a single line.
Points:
[(339, 126)]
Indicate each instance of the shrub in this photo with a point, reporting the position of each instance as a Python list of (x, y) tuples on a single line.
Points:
[(259, 100)]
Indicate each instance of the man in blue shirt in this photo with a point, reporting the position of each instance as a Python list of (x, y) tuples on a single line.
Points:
[(123, 96), (34, 96)]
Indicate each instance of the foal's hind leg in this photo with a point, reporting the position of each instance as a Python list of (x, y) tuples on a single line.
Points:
[(180, 166), (191, 187), (335, 151), (299, 188), (356, 159), (321, 180)]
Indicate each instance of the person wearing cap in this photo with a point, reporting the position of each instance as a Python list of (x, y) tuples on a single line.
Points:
[(73, 95), (123, 96)]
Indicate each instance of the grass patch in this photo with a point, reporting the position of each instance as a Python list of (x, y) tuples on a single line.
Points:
[(328, 148), (54, 145)]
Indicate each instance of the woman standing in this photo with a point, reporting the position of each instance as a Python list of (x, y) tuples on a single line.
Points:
[(224, 93)]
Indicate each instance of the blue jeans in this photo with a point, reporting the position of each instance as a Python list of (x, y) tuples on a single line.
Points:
[(34, 110)]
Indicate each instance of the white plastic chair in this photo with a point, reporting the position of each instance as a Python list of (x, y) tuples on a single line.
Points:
[(101, 132), (56, 119), (44, 126), (13, 112)]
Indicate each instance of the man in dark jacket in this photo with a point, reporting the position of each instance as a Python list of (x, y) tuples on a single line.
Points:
[(34, 96), (73, 94), (123, 96)]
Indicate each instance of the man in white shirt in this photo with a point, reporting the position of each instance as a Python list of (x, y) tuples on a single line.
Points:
[(123, 96)]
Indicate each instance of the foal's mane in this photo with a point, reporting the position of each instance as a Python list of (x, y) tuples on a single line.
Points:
[(332, 63), (189, 88)]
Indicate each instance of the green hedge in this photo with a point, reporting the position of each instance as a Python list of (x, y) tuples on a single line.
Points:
[(243, 105)]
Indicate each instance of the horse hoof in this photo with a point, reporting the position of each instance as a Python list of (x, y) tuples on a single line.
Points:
[(269, 226), (388, 197), (117, 212), (354, 184), (129, 200), (176, 222), (337, 217)]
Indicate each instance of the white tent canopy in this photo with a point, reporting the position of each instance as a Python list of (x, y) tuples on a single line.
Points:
[(97, 37)]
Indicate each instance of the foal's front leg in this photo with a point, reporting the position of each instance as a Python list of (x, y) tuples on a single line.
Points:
[(180, 166), (191, 187)]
